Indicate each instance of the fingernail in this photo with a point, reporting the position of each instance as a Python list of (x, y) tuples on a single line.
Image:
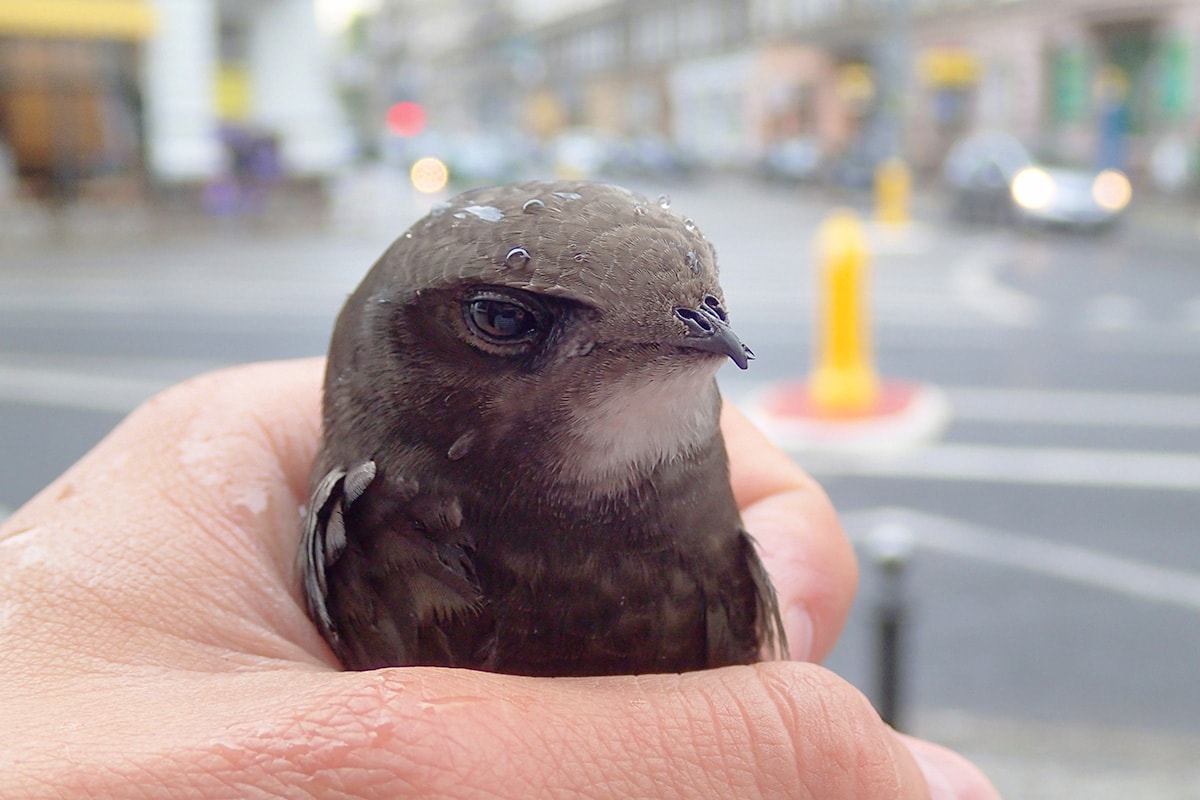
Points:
[(798, 626), (939, 785), (948, 775)]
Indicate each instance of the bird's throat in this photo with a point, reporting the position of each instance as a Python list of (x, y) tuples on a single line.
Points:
[(626, 429)]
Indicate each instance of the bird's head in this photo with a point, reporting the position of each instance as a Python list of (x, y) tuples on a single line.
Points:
[(582, 310)]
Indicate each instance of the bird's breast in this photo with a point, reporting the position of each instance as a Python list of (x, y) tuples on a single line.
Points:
[(617, 586)]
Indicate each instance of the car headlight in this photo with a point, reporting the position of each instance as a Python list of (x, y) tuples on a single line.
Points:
[(1111, 190), (1033, 189)]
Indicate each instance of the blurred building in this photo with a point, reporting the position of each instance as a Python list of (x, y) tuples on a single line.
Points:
[(676, 68), (450, 55), (1104, 80), (97, 94)]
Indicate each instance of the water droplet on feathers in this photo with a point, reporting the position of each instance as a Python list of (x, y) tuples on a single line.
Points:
[(485, 213), (517, 257)]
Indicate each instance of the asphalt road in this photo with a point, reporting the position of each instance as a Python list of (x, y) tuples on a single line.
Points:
[(1054, 588)]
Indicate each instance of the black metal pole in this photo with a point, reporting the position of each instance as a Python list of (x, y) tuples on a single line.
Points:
[(891, 547), (891, 628)]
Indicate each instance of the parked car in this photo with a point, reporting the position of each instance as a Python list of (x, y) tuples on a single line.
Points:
[(471, 159), (855, 166), (650, 157), (794, 160), (579, 154), (992, 178)]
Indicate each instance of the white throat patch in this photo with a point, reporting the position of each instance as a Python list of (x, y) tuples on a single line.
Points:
[(634, 425)]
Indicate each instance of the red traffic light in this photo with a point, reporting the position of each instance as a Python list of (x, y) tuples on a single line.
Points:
[(406, 118)]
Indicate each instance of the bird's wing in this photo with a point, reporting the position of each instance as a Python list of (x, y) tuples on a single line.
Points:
[(388, 573), (771, 635), (324, 537), (742, 619)]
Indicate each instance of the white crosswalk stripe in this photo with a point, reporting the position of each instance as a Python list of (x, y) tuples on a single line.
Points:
[(1080, 565), (1048, 466), (60, 388), (1057, 407)]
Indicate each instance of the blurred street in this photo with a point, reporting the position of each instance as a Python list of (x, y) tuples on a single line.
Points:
[(189, 184), (1055, 586)]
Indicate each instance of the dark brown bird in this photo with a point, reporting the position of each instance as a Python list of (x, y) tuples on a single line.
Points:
[(522, 469)]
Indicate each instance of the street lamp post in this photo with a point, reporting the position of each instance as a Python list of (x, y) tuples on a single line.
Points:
[(892, 61)]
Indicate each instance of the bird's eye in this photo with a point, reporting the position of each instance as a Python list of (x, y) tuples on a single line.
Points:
[(502, 319)]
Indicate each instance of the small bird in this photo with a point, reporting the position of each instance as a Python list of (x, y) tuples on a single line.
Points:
[(521, 467)]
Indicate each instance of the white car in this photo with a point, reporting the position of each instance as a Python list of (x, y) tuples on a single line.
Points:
[(992, 177)]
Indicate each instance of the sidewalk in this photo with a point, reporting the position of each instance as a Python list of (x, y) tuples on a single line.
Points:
[(1054, 761), (27, 224)]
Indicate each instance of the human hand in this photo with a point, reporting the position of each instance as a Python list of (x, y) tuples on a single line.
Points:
[(153, 642)]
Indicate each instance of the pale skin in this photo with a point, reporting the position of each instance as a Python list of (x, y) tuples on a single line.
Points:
[(153, 644)]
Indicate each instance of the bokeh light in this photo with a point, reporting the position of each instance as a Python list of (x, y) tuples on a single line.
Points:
[(429, 175), (1033, 188), (1112, 190)]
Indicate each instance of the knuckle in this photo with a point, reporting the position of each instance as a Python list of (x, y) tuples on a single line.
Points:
[(840, 746)]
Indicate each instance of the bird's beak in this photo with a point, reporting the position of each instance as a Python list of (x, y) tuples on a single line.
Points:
[(708, 329)]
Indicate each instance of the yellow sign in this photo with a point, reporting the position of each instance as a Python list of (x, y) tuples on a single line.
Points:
[(855, 84), (90, 19), (232, 93), (544, 115), (950, 67)]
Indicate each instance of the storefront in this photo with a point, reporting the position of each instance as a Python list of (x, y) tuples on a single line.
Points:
[(70, 98)]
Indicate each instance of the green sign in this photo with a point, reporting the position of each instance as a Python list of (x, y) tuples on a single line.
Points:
[(1070, 84), (1176, 86)]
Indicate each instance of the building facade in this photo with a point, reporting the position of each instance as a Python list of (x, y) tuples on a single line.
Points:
[(104, 92), (1103, 80)]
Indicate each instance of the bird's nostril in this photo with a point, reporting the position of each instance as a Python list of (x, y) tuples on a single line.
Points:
[(695, 321), (714, 305)]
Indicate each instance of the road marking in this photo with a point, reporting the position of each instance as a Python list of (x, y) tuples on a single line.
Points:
[(909, 238), (1112, 312), (1080, 565), (69, 389), (1055, 407), (1047, 466), (975, 286), (1191, 314)]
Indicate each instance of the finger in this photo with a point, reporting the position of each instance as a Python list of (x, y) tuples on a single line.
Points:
[(949, 775), (775, 730), (803, 545), (219, 466), (239, 415)]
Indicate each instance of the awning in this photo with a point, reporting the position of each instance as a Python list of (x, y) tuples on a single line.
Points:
[(91, 19)]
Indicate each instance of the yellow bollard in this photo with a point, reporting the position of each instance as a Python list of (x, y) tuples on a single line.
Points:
[(893, 189), (843, 381)]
